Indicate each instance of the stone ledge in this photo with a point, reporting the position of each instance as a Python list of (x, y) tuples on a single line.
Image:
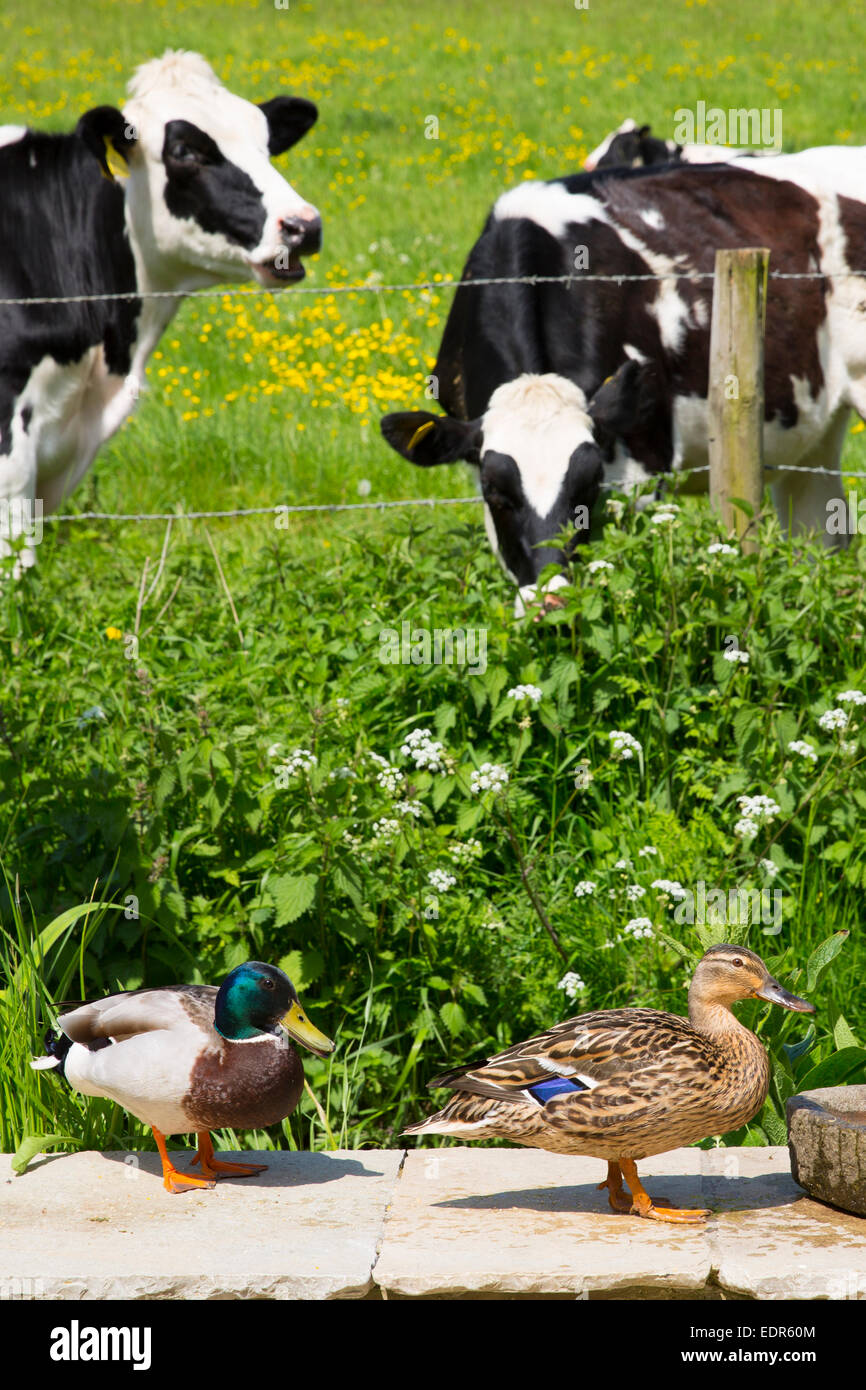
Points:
[(97, 1226), (451, 1223)]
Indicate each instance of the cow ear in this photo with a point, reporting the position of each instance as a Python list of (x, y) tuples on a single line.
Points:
[(110, 137), (627, 399), (289, 119), (427, 439)]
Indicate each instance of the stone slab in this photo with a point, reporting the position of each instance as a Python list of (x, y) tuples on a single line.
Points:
[(770, 1239), (521, 1221), (500, 1222), (101, 1226)]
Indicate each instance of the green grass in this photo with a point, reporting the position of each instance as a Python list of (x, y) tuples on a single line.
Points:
[(171, 798)]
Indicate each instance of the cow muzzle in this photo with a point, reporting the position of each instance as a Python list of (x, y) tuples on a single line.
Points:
[(300, 235)]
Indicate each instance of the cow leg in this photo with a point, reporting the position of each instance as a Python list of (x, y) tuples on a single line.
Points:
[(809, 501), (20, 514)]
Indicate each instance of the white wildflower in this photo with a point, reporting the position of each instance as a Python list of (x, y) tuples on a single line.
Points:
[(759, 808), (719, 548), (851, 697), (661, 517), (342, 774), (805, 750), (423, 750), (585, 888), (299, 760), (441, 880), (671, 886), (639, 927), (622, 864), (489, 777), (770, 869), (526, 692), (746, 829), (462, 851), (834, 719), (847, 747), (736, 655), (634, 891), (572, 984), (624, 744), (409, 808), (646, 851), (390, 779), (386, 829), (595, 566)]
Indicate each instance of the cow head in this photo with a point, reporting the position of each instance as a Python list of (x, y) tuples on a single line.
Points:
[(540, 451), (204, 202), (634, 146)]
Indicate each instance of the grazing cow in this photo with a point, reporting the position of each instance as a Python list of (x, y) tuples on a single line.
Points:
[(636, 147), (651, 336), (175, 193)]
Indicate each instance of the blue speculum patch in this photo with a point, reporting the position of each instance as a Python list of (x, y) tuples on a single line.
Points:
[(557, 1086)]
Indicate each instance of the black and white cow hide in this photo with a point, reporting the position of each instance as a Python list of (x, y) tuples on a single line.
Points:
[(808, 208), (175, 193)]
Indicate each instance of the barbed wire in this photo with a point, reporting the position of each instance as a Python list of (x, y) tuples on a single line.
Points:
[(283, 509), (374, 287)]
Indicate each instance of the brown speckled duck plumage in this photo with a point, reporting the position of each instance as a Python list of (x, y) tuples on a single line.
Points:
[(631, 1082)]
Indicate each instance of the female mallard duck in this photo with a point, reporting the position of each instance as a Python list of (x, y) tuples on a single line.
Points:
[(193, 1057), (624, 1084)]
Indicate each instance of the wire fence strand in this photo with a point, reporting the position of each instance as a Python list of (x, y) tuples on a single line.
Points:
[(373, 286)]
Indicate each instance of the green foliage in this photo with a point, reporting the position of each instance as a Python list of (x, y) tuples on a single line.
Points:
[(268, 800)]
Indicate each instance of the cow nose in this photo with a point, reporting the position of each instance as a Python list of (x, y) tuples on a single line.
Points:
[(302, 233)]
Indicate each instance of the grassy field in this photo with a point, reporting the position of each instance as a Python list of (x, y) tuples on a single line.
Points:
[(150, 769)]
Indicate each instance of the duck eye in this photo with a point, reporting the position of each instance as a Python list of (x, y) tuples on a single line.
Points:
[(737, 961), (268, 984)]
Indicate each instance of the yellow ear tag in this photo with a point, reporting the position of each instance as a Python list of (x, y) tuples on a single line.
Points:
[(420, 433), (116, 163)]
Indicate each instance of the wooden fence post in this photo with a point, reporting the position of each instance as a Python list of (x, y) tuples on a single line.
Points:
[(736, 389)]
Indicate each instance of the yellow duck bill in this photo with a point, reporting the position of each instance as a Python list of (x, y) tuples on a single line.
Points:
[(299, 1027), (775, 993)]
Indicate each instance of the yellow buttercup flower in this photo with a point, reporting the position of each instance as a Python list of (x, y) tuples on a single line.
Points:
[(114, 633)]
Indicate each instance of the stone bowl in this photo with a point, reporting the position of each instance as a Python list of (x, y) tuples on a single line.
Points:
[(827, 1140)]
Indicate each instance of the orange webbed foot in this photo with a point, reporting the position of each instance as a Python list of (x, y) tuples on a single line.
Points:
[(173, 1180), (214, 1168), (643, 1205)]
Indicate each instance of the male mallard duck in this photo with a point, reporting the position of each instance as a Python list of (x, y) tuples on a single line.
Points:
[(623, 1084), (193, 1057)]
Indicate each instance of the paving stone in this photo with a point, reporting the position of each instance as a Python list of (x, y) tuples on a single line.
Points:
[(99, 1226), (522, 1221), (770, 1240)]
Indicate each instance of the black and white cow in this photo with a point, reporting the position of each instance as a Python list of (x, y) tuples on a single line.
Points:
[(637, 147), (809, 208), (174, 193)]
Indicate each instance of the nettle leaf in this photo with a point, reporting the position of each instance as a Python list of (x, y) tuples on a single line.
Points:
[(468, 816), (442, 789), (164, 786), (444, 719), (303, 967), (453, 1017), (838, 852), (292, 895)]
